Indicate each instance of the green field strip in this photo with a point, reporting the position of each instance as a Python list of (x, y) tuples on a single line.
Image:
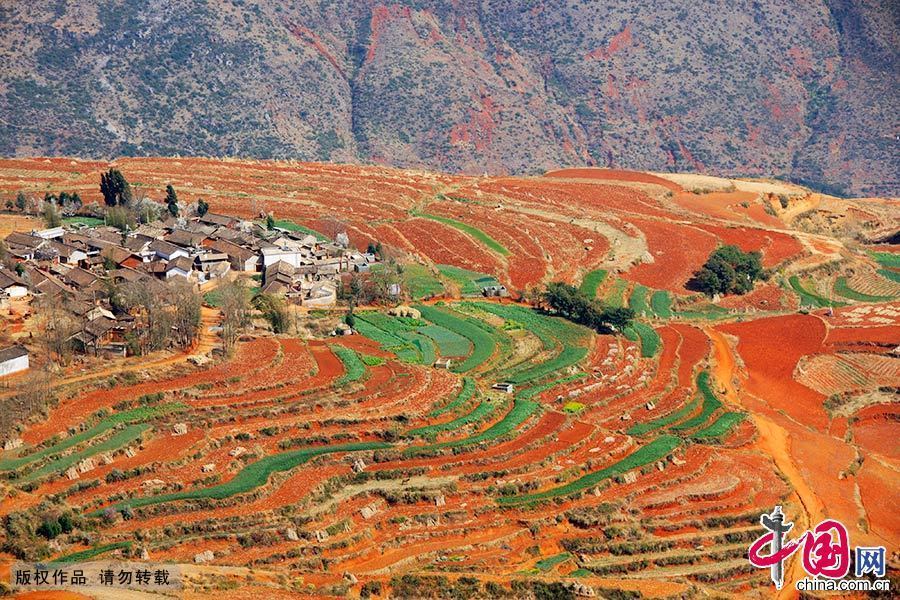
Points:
[(710, 404), (289, 225), (570, 355), (650, 341), (354, 367), (483, 343), (592, 281), (661, 304), (121, 438), (478, 414), (449, 343), (521, 411), (615, 296), (368, 325), (469, 229), (420, 283), (842, 288), (250, 477), (655, 450), (134, 415), (674, 417), (465, 394), (529, 393), (890, 275), (90, 553), (720, 427), (638, 301), (886, 259), (89, 221), (550, 562), (470, 283), (808, 298)]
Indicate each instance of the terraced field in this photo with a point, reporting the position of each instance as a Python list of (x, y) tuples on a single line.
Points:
[(633, 463)]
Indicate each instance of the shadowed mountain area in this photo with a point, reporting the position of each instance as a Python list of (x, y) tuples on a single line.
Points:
[(805, 91)]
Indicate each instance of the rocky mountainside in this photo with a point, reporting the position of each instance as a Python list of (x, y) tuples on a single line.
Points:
[(802, 90)]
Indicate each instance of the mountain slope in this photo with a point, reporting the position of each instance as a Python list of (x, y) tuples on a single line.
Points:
[(753, 87)]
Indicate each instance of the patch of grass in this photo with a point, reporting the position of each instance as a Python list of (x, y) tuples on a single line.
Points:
[(655, 450), (478, 414), (449, 343), (720, 427), (371, 361), (116, 441), (842, 288), (464, 395), (661, 304), (213, 298), (521, 411), (638, 300), (615, 296), (91, 552), (808, 298), (548, 563), (354, 367), (395, 337), (89, 221), (420, 282), (710, 404), (469, 229), (650, 341), (886, 259), (592, 281), (891, 275), (642, 428), (573, 407), (482, 342), (296, 227), (250, 477), (135, 415), (468, 282)]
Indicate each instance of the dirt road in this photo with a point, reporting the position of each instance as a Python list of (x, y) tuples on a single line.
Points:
[(775, 441)]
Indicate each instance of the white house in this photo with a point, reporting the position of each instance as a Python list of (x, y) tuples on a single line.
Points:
[(167, 251), (12, 285), (13, 360)]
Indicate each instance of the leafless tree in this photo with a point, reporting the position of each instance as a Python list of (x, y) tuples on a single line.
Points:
[(56, 325), (186, 312), (235, 311)]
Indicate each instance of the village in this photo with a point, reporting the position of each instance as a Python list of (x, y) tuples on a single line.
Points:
[(76, 268)]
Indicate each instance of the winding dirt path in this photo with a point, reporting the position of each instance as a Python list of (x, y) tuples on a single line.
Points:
[(775, 441)]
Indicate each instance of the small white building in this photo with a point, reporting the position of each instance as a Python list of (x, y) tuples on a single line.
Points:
[(13, 360)]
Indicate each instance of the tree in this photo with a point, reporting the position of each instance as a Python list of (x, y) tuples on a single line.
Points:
[(270, 222), (115, 188), (21, 201), (154, 316), (275, 310), (235, 304), (171, 200), (729, 270), (202, 207), (186, 317), (51, 215), (120, 218), (573, 304), (56, 326), (349, 319)]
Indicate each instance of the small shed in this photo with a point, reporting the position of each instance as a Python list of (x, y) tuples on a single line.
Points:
[(443, 363), (505, 387)]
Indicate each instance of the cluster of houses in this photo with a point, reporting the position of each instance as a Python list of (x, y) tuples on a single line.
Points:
[(76, 262)]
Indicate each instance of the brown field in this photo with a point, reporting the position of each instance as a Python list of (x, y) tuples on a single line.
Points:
[(545, 485)]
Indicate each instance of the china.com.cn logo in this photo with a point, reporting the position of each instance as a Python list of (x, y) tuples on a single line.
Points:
[(825, 554)]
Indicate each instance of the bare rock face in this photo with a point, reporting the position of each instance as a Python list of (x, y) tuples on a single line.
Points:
[(804, 90), (204, 557)]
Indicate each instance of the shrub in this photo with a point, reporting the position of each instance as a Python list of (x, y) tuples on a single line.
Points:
[(729, 270)]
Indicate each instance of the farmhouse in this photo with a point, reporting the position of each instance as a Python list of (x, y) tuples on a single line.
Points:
[(13, 360), (11, 285)]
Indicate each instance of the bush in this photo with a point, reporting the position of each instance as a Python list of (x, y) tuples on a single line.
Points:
[(575, 305), (729, 270)]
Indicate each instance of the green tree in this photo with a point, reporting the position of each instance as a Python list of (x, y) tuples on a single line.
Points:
[(171, 196), (202, 207), (172, 208), (21, 201), (270, 222), (729, 270), (275, 310), (115, 188), (570, 302)]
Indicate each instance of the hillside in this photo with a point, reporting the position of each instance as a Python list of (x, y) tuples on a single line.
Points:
[(349, 466), (799, 90)]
